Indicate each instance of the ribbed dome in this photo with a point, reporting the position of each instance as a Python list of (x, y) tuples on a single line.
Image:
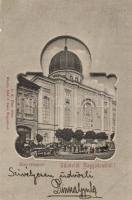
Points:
[(65, 60)]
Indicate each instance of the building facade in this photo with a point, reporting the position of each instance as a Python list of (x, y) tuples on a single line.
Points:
[(64, 99), (27, 109)]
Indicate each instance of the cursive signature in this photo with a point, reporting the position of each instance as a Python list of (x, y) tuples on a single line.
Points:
[(77, 190)]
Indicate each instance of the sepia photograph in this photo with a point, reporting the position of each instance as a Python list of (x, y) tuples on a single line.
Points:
[(65, 99), (66, 111)]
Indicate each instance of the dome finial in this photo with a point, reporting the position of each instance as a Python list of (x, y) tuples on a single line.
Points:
[(65, 48)]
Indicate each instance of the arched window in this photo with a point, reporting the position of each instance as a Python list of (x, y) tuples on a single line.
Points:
[(46, 109), (26, 105), (32, 105), (24, 132), (87, 115), (29, 106), (19, 105)]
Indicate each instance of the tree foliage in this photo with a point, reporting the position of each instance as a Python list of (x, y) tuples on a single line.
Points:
[(78, 135), (90, 135), (112, 136), (65, 134), (39, 138), (59, 133), (101, 135)]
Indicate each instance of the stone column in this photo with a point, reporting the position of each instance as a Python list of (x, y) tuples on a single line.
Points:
[(40, 106), (60, 104), (102, 112), (74, 108), (110, 115)]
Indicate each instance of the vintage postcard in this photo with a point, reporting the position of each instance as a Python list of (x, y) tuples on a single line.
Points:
[(65, 99)]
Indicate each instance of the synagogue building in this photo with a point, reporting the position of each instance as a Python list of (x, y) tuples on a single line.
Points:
[(64, 99)]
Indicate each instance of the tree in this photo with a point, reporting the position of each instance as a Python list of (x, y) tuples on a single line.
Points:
[(78, 135), (39, 138), (101, 135), (67, 134), (59, 133), (112, 136), (64, 134), (90, 135)]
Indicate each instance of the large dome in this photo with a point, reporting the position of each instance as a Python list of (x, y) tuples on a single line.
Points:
[(65, 60)]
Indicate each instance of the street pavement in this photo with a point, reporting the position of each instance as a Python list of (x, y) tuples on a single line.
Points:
[(91, 156)]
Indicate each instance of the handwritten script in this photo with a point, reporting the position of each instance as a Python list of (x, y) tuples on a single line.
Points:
[(60, 184)]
